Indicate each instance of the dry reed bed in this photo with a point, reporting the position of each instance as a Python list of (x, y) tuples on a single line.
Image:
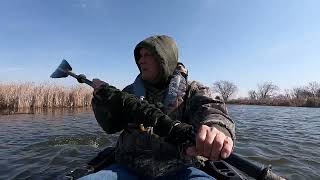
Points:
[(30, 95)]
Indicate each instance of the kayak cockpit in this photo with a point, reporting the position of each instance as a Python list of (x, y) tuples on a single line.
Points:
[(217, 169)]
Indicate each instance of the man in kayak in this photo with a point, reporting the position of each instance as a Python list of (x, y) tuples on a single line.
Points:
[(140, 152)]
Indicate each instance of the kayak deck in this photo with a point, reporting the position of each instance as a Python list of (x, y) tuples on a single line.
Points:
[(217, 169)]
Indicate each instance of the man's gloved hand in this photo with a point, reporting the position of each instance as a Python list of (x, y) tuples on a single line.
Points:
[(182, 133), (81, 77)]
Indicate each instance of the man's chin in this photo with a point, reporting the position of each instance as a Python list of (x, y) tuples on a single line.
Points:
[(146, 78)]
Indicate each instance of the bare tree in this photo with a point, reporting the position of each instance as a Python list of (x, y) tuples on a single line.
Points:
[(253, 95), (287, 93), (224, 88), (301, 93), (267, 90), (313, 88), (318, 93)]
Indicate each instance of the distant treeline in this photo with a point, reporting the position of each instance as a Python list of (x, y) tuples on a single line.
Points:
[(297, 102), (270, 94), (14, 96)]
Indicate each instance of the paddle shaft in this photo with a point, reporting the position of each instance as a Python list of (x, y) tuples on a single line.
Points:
[(253, 170), (84, 80)]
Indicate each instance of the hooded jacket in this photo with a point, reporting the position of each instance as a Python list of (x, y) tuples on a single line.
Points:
[(138, 147)]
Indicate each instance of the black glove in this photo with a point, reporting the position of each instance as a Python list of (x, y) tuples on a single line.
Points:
[(182, 133), (81, 77)]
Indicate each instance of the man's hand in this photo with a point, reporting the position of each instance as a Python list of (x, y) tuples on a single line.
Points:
[(211, 143), (97, 84)]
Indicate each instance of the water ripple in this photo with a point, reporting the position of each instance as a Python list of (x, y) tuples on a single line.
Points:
[(47, 145), (286, 137)]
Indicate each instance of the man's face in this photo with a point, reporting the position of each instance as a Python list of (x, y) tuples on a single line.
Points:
[(149, 65)]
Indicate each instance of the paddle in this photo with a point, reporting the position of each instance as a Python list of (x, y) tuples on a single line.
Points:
[(64, 70), (253, 170)]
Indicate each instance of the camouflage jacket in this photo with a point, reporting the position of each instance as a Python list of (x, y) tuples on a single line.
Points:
[(145, 152)]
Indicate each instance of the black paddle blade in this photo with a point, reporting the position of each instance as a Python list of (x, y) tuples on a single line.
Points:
[(62, 70)]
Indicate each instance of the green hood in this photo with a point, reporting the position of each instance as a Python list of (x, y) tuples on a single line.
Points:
[(163, 47)]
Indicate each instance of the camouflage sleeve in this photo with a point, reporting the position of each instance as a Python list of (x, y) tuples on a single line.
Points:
[(203, 109), (109, 123), (114, 110)]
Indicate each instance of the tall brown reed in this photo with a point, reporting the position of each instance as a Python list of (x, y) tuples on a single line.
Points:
[(14, 96)]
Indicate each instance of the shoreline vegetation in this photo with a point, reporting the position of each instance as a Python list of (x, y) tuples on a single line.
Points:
[(269, 94), (29, 97), (26, 97), (297, 102)]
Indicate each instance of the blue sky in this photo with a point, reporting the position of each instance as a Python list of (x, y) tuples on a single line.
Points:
[(246, 42)]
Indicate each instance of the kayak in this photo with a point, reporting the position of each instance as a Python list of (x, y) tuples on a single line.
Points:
[(217, 169)]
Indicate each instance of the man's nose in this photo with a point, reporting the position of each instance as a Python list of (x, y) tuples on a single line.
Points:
[(142, 60)]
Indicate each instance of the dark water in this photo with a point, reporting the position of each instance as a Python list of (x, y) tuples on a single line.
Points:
[(47, 145)]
